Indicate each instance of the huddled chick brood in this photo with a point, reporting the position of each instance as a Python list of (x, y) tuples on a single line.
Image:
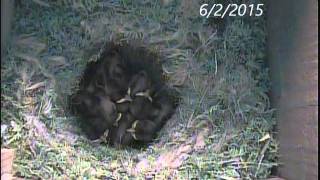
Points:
[(122, 98)]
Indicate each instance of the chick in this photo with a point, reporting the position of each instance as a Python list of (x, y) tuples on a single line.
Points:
[(123, 103), (143, 130), (84, 103), (98, 113), (107, 110), (120, 116), (119, 136), (94, 127), (111, 73), (141, 108), (96, 105), (101, 75), (112, 90), (116, 70), (145, 94), (126, 98), (164, 107), (90, 88), (103, 138), (140, 85), (89, 131)]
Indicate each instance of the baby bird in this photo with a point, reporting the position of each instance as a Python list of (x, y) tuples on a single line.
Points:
[(140, 85), (96, 129), (94, 123), (126, 98), (103, 138), (118, 136), (154, 116), (98, 113), (116, 70), (111, 89), (107, 110), (120, 116), (123, 104), (141, 108), (84, 103), (143, 130), (111, 76), (164, 107), (90, 88)]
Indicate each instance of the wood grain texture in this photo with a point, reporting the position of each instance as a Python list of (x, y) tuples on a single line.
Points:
[(293, 60)]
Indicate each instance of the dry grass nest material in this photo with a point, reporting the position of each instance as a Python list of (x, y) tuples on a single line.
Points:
[(223, 127)]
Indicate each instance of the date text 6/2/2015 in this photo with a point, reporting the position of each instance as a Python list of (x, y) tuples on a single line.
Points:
[(218, 10)]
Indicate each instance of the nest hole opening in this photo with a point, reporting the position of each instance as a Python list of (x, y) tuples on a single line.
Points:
[(122, 98)]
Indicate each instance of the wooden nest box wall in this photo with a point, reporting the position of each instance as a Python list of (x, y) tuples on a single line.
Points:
[(293, 57)]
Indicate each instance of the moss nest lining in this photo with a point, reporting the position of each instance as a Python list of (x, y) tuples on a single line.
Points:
[(122, 98), (223, 127)]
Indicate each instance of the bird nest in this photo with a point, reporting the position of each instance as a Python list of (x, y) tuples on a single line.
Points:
[(122, 98)]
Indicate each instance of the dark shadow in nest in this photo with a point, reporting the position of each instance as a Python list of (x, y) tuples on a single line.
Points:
[(122, 98)]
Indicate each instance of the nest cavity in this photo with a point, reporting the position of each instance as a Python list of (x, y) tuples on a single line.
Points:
[(122, 98)]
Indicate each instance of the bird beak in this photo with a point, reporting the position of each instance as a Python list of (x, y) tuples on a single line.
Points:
[(119, 117), (134, 136), (134, 125), (96, 140), (131, 130), (103, 138), (145, 94), (127, 98), (117, 120), (106, 133), (133, 133), (129, 91)]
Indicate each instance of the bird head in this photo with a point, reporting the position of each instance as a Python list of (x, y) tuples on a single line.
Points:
[(126, 98)]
